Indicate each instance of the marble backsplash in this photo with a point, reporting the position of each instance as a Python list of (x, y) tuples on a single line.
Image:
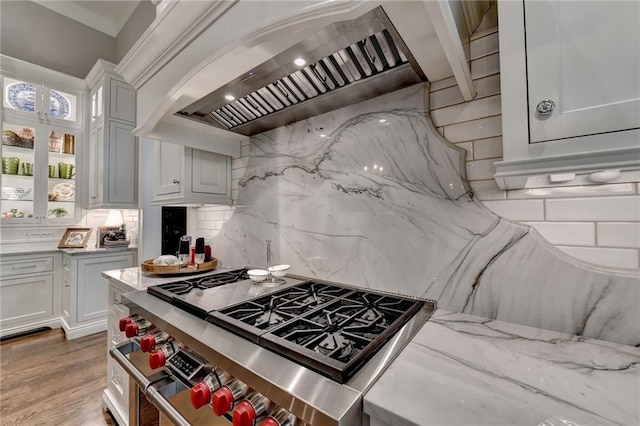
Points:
[(373, 196)]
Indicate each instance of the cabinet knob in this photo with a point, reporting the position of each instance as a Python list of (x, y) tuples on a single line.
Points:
[(545, 107), (176, 181)]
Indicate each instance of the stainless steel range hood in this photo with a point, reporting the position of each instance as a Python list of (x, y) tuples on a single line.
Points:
[(346, 62)]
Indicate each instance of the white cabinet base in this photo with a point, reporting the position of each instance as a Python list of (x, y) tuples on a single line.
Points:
[(82, 330), (109, 402)]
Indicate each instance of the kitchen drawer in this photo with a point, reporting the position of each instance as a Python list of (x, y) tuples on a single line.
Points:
[(118, 383), (21, 266)]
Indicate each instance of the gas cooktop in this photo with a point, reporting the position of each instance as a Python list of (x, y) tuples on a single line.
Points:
[(330, 328)]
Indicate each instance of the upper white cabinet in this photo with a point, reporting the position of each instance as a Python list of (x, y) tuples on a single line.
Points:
[(113, 148), (570, 87), (42, 144), (191, 176)]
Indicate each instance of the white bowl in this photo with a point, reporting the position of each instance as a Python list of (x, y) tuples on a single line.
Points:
[(257, 275), (279, 271)]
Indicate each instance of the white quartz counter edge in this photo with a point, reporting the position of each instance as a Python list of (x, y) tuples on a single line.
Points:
[(466, 370), (20, 249), (137, 280)]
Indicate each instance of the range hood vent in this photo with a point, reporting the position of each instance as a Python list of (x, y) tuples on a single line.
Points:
[(349, 62)]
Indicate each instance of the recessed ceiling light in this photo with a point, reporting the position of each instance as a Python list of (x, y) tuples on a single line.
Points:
[(323, 135), (299, 62), (230, 97), (382, 120)]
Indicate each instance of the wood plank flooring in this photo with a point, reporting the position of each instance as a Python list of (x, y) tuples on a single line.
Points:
[(47, 380)]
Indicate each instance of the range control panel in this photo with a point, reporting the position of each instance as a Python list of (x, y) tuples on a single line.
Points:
[(186, 366)]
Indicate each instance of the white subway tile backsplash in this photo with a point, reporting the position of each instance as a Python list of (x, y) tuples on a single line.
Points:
[(621, 234), (487, 148), (485, 66), (239, 163), (487, 190), (244, 150), (574, 191), (480, 169), (237, 173), (608, 257), (228, 214), (566, 233), (234, 183), (611, 209), (443, 84), (214, 215), (468, 111), (468, 146), (477, 129), (520, 210), (484, 46)]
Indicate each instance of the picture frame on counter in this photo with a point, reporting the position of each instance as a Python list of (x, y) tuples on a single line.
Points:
[(102, 232), (75, 238)]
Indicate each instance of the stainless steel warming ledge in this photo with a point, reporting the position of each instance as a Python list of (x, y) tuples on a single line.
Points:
[(308, 395)]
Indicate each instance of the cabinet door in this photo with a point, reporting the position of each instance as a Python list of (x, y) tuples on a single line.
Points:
[(123, 159), (169, 160), (209, 172), (122, 101), (584, 57), (96, 171), (97, 102), (25, 300), (92, 298)]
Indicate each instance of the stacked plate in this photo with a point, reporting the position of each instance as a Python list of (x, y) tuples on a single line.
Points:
[(116, 243)]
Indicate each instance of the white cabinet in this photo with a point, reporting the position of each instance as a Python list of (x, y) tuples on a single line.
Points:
[(42, 145), (30, 292), (86, 296), (191, 176), (584, 57), (113, 148), (117, 394)]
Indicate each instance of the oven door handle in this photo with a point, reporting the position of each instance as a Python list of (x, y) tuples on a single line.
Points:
[(154, 395)]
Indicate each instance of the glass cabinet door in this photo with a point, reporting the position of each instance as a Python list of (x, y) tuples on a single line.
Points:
[(61, 173), (19, 172), (45, 104)]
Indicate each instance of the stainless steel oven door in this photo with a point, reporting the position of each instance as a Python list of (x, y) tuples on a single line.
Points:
[(169, 396)]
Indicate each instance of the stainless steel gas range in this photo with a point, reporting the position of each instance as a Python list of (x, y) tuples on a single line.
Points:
[(223, 349)]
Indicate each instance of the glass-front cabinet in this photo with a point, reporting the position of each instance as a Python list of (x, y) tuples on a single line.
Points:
[(41, 145)]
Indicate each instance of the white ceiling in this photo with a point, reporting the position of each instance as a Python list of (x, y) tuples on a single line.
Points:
[(107, 16)]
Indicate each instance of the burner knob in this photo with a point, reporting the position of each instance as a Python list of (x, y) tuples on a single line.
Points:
[(270, 421), (222, 400), (225, 397), (122, 324), (247, 411), (131, 329), (148, 342), (279, 417), (244, 414), (200, 395), (158, 357)]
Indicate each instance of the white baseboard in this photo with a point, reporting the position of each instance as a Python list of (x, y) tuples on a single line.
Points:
[(109, 401), (82, 330), (53, 323)]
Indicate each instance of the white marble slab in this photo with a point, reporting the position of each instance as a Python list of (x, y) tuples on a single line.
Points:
[(372, 195), (463, 370)]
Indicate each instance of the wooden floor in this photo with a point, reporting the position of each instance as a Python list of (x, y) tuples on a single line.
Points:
[(47, 380)]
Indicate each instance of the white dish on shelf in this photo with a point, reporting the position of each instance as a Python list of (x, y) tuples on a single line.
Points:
[(64, 191)]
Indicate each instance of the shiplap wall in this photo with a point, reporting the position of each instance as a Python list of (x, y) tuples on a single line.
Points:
[(597, 223)]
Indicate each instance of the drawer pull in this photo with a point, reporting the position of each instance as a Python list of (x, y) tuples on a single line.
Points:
[(24, 267)]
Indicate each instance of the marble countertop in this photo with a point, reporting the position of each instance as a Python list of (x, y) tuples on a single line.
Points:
[(466, 370), (137, 280), (27, 248), (92, 250)]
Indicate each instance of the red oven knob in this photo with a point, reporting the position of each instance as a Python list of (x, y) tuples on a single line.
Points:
[(200, 395), (244, 414), (222, 400), (158, 357), (252, 408), (279, 417), (270, 421), (131, 329), (151, 340), (122, 324)]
